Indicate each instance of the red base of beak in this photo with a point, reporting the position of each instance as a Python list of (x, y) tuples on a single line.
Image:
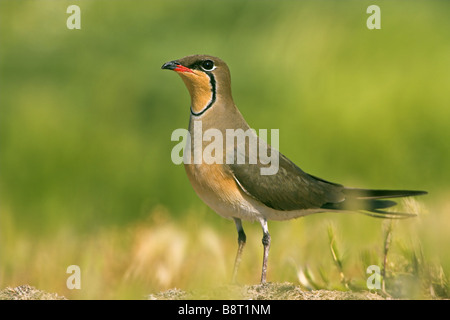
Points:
[(180, 68)]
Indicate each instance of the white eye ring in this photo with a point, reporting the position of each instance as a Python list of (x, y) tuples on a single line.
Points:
[(206, 68)]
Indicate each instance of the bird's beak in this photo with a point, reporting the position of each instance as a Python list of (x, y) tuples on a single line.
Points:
[(175, 66)]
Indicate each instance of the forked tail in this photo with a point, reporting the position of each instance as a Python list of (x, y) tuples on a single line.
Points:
[(371, 202)]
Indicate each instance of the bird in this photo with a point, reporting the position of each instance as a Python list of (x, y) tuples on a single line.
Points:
[(239, 190)]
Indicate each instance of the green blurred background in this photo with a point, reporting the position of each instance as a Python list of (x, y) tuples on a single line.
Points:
[(87, 115)]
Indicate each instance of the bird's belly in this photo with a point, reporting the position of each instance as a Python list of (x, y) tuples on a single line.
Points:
[(219, 191)]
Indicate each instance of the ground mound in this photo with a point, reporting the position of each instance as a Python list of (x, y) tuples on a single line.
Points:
[(26, 292), (268, 291)]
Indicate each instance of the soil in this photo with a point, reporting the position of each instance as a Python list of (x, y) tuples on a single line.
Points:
[(26, 292), (268, 291)]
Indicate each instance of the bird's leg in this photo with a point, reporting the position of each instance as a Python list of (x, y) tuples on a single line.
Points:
[(241, 243), (266, 244)]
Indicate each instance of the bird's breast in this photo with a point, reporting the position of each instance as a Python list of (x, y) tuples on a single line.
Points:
[(218, 189)]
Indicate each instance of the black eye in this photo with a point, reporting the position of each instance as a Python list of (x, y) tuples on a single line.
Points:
[(207, 65)]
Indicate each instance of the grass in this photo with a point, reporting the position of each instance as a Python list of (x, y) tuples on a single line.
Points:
[(87, 115), (197, 252)]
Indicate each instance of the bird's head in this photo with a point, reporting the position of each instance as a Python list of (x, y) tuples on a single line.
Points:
[(206, 77)]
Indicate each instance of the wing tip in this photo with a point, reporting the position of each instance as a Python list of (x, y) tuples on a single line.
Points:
[(365, 194)]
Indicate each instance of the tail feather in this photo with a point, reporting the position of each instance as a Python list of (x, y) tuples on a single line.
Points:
[(359, 204), (380, 194), (368, 202), (388, 214)]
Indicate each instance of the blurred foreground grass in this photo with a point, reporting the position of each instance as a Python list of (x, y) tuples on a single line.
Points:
[(86, 118), (197, 253)]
